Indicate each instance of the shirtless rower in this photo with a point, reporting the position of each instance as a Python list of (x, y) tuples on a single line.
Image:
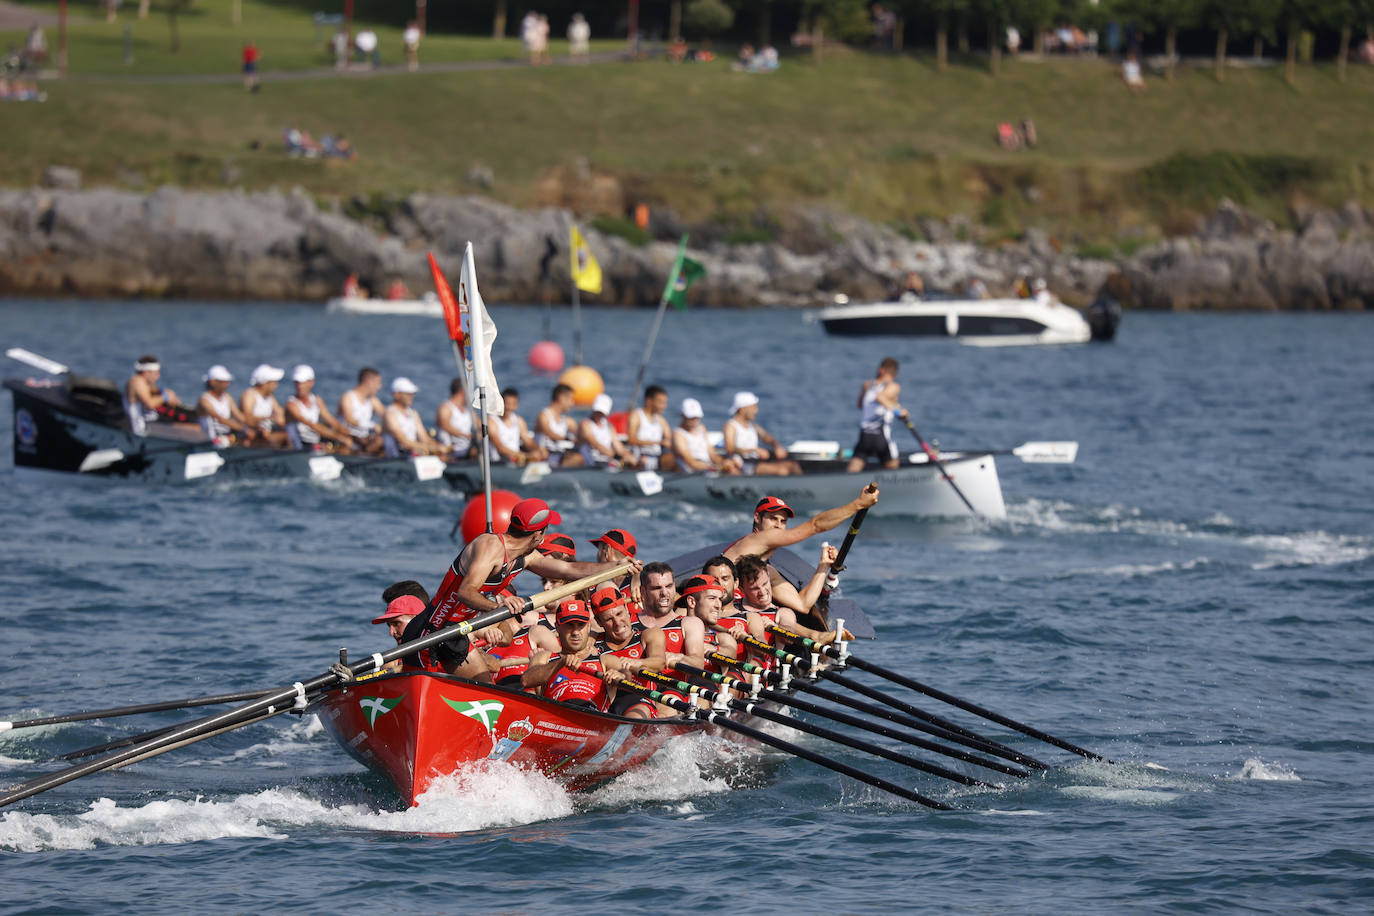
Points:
[(403, 432), (308, 421), (879, 404), (746, 439), (692, 445), (650, 437), (260, 406), (360, 408), (482, 569), (219, 416), (626, 647), (454, 424), (574, 674), (556, 430), (144, 401), (598, 442), (771, 532), (511, 441)]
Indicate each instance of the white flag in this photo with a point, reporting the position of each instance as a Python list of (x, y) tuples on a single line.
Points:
[(481, 334)]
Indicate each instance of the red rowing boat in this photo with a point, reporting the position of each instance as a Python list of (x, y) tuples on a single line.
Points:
[(415, 727)]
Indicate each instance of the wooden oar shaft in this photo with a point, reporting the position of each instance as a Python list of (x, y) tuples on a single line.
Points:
[(135, 710), (717, 718)]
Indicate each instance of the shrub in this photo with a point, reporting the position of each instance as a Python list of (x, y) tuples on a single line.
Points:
[(622, 228)]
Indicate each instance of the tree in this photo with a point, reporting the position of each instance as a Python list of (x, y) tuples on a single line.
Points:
[(944, 11), (1040, 14), (498, 20), (1237, 17), (708, 17), (997, 14), (1345, 15)]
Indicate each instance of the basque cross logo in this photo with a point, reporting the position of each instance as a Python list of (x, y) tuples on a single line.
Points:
[(485, 711), (375, 707)]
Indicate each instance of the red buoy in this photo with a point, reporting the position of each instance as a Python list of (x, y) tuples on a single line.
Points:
[(474, 520)]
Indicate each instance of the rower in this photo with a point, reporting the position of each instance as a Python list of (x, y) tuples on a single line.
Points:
[(455, 423), (598, 442), (743, 437), (757, 586), (573, 675), (397, 616), (554, 430), (649, 436), (404, 434), (511, 441), (692, 445), (544, 631), (657, 592), (723, 569), (359, 408), (259, 404), (144, 401), (878, 401), (482, 569), (308, 421), (220, 417), (616, 546), (626, 647), (771, 532), (700, 598)]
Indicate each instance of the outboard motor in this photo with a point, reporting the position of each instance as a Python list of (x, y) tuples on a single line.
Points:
[(1104, 315)]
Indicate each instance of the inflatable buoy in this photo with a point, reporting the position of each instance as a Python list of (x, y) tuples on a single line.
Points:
[(585, 382), (474, 520), (546, 356)]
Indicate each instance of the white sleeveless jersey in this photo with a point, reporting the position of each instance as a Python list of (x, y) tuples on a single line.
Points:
[(356, 413), (410, 425), (746, 436), (876, 418), (262, 411), (300, 435), (649, 428), (214, 423), (462, 441), (698, 445), (603, 434), (562, 428), (507, 433)]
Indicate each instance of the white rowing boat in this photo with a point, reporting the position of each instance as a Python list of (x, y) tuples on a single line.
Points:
[(426, 307)]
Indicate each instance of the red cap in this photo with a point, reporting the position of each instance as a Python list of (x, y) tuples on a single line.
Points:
[(558, 543), (573, 610), (620, 540), (773, 504), (533, 514), (404, 606), (701, 583), (605, 598)]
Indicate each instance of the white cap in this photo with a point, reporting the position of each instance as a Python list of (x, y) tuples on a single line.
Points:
[(404, 385), (743, 399), (218, 373), (691, 407), (602, 404), (302, 373), (265, 373)]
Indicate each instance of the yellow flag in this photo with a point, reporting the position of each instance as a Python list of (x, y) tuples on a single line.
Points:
[(586, 273)]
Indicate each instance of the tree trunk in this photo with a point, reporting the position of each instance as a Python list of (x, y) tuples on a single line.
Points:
[(1258, 53), (675, 20), (994, 49), (1344, 52), (1290, 66), (1170, 47), (498, 20), (941, 44), (817, 39), (1038, 39), (897, 33), (144, 7), (962, 35), (172, 25), (1221, 55), (765, 23), (236, 12)]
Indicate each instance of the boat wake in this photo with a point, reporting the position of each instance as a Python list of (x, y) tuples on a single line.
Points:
[(1255, 768)]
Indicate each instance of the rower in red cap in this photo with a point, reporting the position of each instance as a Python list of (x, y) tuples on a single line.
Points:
[(615, 546), (625, 648), (771, 532), (574, 674), (484, 567)]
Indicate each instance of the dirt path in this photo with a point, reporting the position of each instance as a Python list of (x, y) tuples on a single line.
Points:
[(16, 18)]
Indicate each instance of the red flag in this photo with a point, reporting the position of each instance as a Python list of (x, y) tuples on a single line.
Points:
[(445, 293)]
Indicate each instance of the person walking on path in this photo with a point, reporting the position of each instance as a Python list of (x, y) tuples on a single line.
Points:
[(250, 67), (411, 38)]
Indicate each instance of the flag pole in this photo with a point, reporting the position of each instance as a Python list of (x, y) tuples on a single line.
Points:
[(484, 455), (658, 321), (577, 323)]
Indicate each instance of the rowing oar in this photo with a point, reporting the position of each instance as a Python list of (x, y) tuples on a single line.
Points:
[(896, 711), (832, 580), (135, 710), (750, 708), (835, 715), (930, 455), (294, 697), (715, 717), (940, 695)]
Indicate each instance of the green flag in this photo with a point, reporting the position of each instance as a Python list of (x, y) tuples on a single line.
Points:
[(685, 272)]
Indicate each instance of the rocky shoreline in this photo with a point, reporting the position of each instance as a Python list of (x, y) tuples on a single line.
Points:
[(269, 245)]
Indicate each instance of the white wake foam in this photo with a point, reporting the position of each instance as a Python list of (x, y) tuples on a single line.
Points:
[(674, 773), (1255, 768)]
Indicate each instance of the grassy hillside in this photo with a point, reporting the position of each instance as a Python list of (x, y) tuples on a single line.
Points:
[(886, 137)]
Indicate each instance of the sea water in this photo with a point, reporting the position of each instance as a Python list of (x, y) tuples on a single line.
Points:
[(1192, 599)]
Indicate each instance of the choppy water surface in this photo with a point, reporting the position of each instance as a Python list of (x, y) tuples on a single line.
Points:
[(1192, 598)]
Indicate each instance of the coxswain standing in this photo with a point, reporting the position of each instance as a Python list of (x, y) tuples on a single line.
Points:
[(878, 403), (771, 532), (259, 403), (308, 421), (220, 417), (359, 409), (404, 434), (574, 674), (485, 566), (144, 401)]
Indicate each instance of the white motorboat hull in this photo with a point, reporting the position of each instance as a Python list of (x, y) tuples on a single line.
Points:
[(984, 321)]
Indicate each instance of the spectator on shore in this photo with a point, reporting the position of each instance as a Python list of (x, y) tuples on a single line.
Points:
[(579, 38), (745, 58), (1013, 39), (36, 47), (884, 28), (677, 50), (250, 67), (1008, 137), (340, 47), (338, 148), (1028, 135), (368, 50), (1367, 50), (1131, 75), (411, 39)]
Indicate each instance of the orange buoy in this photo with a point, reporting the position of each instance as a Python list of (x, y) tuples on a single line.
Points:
[(474, 520), (585, 382)]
